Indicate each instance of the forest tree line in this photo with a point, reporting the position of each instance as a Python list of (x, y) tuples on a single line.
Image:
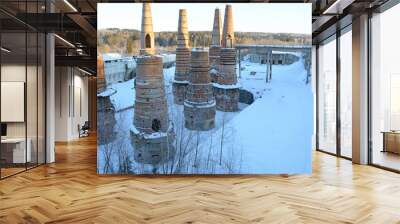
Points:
[(127, 41)]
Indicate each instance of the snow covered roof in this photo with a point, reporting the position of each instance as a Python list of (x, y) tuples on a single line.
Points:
[(149, 56), (148, 136), (285, 52), (168, 58), (213, 71), (197, 105), (107, 92), (111, 56), (235, 86), (182, 82), (200, 49)]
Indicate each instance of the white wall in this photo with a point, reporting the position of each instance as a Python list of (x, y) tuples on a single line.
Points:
[(80, 115), (11, 73), (346, 93), (71, 102), (33, 126)]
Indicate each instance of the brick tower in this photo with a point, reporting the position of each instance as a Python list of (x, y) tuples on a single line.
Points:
[(152, 133), (199, 105), (146, 34), (182, 69), (215, 47), (228, 35), (226, 88)]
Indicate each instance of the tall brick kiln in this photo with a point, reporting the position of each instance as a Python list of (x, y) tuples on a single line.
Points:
[(147, 34), (226, 88), (152, 133), (199, 105), (182, 69), (215, 47)]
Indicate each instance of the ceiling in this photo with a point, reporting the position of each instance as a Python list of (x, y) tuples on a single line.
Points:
[(329, 16), (74, 22)]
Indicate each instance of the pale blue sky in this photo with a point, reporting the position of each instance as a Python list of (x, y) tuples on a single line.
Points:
[(247, 17)]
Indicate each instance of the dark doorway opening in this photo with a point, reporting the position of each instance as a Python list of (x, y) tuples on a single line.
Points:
[(148, 41), (156, 125), (229, 41)]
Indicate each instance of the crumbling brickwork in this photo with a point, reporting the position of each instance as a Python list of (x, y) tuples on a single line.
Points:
[(226, 88), (199, 106), (152, 134)]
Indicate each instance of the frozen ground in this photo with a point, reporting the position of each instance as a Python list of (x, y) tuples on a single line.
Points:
[(272, 135)]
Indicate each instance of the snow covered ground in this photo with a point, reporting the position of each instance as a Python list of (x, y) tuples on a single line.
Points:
[(124, 98), (272, 135), (276, 130)]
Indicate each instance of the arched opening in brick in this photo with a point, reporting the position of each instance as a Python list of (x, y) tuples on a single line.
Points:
[(156, 125), (229, 41), (148, 41)]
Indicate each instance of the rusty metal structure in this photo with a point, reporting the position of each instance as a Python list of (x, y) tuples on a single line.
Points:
[(182, 68), (199, 105)]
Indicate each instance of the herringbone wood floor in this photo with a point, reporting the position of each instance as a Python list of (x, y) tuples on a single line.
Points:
[(70, 191)]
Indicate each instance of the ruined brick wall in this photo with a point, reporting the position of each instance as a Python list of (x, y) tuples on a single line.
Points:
[(153, 150), (227, 99), (105, 119)]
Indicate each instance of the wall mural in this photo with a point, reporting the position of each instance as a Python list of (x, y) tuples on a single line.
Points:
[(223, 101)]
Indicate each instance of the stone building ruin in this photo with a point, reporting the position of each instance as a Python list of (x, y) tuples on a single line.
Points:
[(278, 58)]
